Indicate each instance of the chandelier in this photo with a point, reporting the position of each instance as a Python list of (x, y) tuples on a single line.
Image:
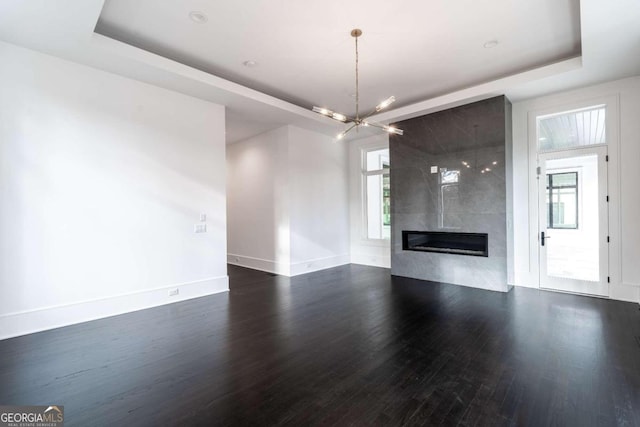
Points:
[(357, 120)]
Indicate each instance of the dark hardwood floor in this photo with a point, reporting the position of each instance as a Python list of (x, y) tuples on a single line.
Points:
[(345, 346)]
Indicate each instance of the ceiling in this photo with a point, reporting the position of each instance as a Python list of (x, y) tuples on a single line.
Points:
[(428, 54), (414, 49)]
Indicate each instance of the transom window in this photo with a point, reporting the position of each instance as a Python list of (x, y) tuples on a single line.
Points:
[(572, 129)]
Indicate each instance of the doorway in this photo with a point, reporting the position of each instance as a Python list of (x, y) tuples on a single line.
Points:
[(573, 221)]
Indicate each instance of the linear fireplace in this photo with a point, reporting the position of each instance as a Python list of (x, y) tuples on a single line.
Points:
[(475, 244)]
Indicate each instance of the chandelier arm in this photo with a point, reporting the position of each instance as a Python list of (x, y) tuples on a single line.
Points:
[(350, 128), (386, 128), (369, 115), (348, 120), (375, 125), (342, 118), (384, 104)]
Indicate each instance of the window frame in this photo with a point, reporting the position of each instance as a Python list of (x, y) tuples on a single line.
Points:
[(364, 175), (550, 188)]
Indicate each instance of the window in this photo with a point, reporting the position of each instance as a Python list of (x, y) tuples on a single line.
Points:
[(377, 192), (572, 129), (562, 200)]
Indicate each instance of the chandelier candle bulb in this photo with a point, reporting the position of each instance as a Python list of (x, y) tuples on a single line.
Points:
[(339, 116), (384, 104), (393, 130), (322, 111)]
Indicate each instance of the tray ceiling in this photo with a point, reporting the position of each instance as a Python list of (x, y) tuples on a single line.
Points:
[(304, 54)]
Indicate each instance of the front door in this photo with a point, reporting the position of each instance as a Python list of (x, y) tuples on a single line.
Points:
[(573, 228)]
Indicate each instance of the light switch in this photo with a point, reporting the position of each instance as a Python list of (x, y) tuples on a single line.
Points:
[(203, 217), (200, 228)]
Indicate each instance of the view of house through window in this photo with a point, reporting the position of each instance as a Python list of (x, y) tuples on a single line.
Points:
[(377, 193), (562, 200)]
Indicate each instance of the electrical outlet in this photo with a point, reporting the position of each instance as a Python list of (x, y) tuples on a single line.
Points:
[(200, 228), (203, 217), (174, 292), (434, 169)]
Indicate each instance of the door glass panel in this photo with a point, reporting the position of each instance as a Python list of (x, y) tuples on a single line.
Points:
[(562, 200), (572, 244)]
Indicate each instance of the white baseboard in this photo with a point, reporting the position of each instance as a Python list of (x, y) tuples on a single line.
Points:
[(285, 269), (371, 260), (629, 293), (27, 322), (525, 279), (269, 266), (525, 285), (625, 293), (317, 264)]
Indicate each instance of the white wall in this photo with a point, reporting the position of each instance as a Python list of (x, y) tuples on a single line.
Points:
[(288, 203), (257, 202), (319, 201), (364, 251), (102, 179), (623, 177)]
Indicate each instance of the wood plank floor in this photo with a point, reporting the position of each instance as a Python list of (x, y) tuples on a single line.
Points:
[(345, 346)]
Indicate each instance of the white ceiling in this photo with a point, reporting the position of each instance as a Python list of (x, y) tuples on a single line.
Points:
[(609, 45), (414, 49)]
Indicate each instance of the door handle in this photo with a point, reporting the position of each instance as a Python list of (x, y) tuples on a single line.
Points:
[(543, 238)]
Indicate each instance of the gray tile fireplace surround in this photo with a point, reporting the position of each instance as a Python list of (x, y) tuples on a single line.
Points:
[(459, 197)]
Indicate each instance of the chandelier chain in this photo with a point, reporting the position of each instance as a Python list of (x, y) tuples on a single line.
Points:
[(357, 84)]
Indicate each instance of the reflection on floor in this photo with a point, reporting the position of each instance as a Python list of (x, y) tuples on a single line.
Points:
[(349, 345)]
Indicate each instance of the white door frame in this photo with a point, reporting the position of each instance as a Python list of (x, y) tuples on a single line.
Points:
[(558, 104)]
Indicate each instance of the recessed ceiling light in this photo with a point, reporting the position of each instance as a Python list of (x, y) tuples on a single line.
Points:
[(250, 63), (490, 44), (198, 17)]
